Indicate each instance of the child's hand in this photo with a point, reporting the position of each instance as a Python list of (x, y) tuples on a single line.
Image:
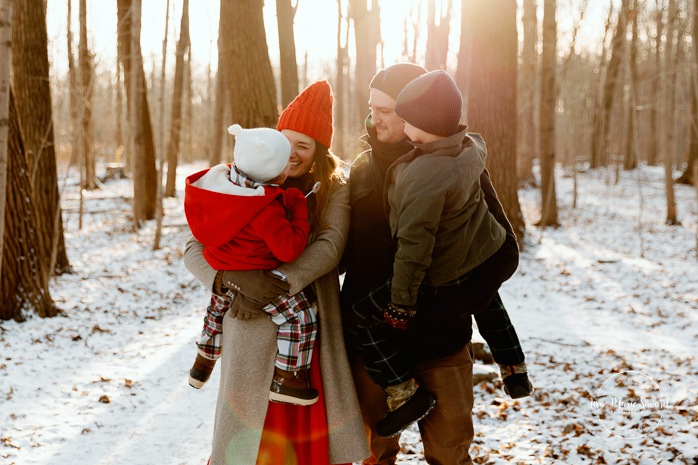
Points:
[(296, 204), (398, 316)]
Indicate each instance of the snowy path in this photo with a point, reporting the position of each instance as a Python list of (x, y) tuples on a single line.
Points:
[(106, 383)]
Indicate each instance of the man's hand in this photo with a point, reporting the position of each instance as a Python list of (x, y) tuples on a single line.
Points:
[(398, 316), (258, 285), (244, 308)]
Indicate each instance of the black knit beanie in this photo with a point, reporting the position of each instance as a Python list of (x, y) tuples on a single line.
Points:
[(392, 79), (432, 103)]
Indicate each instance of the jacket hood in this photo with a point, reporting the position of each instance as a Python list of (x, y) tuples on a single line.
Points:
[(216, 209)]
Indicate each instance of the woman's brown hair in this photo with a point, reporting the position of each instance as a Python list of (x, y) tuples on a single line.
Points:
[(327, 169)]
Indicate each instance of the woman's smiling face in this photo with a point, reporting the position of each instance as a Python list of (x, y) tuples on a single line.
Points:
[(302, 153)]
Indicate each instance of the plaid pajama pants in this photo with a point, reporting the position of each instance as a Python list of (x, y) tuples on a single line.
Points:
[(382, 346), (295, 339)]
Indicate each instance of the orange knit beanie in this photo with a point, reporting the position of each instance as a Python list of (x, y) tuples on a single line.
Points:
[(310, 113)]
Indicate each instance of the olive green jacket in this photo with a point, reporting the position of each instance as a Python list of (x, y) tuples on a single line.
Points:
[(438, 214)]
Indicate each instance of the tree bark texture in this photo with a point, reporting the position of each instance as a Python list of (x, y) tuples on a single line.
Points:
[(631, 147), (19, 287), (176, 115), (86, 83), (437, 36), (219, 107), (285, 14), (121, 152), (655, 127), (143, 165), (5, 60), (33, 99), (668, 82), (250, 81), (367, 35), (492, 97), (341, 84), (688, 176), (600, 147), (73, 83), (527, 101), (548, 94)]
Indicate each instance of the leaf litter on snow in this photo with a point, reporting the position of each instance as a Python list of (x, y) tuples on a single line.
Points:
[(610, 291)]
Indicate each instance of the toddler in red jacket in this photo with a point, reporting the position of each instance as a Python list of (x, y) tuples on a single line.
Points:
[(245, 221)]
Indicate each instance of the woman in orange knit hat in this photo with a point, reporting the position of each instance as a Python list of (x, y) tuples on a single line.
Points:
[(248, 429)]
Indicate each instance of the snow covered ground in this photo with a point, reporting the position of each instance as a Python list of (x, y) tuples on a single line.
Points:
[(606, 307)]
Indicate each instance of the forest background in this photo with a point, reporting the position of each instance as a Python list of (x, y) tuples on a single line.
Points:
[(113, 100), (539, 89)]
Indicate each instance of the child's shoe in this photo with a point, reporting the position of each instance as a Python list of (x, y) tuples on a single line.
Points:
[(516, 382), (201, 371), (292, 388), (407, 402)]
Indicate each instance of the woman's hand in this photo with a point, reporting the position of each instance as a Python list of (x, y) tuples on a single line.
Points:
[(257, 285)]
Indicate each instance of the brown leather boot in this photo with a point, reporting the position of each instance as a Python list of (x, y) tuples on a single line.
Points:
[(201, 371), (292, 388)]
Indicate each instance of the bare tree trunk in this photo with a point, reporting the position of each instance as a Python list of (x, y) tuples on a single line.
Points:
[(5, 61), (464, 46), (527, 103), (285, 14), (251, 91), (340, 86), (161, 158), (687, 177), (437, 36), (120, 156), (188, 121), (597, 119), (668, 120), (630, 159), (137, 94), (219, 109), (548, 95), (73, 83), (600, 145), (655, 127), (144, 170), (367, 36), (492, 97), (33, 99), (176, 118), (19, 286), (86, 85)]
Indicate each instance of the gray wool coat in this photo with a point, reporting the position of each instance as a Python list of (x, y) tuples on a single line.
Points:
[(249, 349)]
